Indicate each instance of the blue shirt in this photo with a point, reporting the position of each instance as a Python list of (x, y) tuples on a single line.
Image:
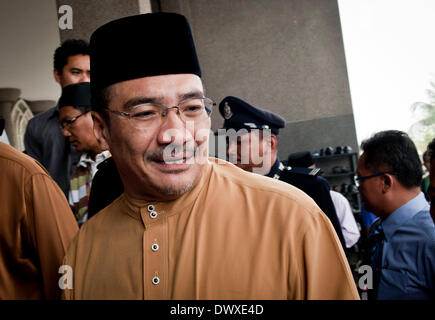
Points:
[(367, 217), (408, 260)]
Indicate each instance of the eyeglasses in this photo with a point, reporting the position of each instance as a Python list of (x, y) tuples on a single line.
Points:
[(357, 180), (66, 124), (149, 115)]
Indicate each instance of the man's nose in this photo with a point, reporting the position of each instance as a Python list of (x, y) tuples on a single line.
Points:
[(65, 132), (173, 129), (85, 77)]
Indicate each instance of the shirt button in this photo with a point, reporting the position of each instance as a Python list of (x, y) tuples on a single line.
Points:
[(153, 214), (155, 247), (156, 280), (151, 208)]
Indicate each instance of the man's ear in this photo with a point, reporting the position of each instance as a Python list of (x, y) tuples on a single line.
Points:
[(387, 182), (101, 131), (273, 142), (56, 75)]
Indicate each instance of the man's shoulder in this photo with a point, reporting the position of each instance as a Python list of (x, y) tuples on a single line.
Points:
[(423, 224), (257, 184), (45, 117), (103, 218), (304, 179), (45, 114), (13, 157)]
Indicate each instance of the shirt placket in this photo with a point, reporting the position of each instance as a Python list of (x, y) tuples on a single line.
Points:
[(155, 253)]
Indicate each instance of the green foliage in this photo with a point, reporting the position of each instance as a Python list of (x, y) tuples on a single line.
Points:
[(423, 131)]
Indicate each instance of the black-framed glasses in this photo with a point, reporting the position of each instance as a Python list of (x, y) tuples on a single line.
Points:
[(149, 115), (66, 124), (358, 180)]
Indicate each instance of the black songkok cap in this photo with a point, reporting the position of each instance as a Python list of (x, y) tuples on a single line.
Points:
[(300, 159), (239, 114), (142, 46), (76, 95)]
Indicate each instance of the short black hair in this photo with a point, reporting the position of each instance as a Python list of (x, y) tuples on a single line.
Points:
[(69, 48), (431, 150), (394, 150)]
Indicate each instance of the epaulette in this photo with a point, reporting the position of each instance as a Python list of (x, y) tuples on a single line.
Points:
[(304, 171)]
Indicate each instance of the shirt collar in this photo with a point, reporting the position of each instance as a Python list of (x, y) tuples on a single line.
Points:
[(403, 214), (274, 168)]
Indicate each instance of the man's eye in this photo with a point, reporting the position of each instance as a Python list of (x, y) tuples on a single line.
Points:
[(144, 114), (192, 108)]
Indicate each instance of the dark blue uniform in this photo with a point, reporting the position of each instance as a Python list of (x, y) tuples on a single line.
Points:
[(239, 114)]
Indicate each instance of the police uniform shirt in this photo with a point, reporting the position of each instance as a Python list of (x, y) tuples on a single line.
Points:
[(234, 235)]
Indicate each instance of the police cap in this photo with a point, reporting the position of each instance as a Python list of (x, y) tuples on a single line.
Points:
[(239, 114)]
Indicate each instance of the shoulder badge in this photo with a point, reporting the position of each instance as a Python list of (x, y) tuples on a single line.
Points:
[(227, 111), (305, 171)]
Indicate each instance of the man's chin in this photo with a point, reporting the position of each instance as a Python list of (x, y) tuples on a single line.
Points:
[(174, 181), (172, 186)]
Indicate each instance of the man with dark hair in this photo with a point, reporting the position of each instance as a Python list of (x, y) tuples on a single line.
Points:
[(402, 240), (78, 127), (43, 139), (188, 226)]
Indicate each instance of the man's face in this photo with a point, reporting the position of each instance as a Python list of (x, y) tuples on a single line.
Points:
[(139, 152), (370, 189), (80, 133), (76, 70), (250, 151)]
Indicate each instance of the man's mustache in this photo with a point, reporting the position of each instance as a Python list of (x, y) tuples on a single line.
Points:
[(171, 152)]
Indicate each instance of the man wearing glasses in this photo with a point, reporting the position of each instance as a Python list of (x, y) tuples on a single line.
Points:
[(402, 240), (77, 126), (188, 226)]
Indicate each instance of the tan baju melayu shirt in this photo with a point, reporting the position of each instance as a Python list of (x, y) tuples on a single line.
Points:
[(234, 235), (36, 227)]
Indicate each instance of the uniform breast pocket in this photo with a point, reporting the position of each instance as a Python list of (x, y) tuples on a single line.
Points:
[(393, 285)]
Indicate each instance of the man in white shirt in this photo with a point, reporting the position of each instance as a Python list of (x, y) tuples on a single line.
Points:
[(348, 223)]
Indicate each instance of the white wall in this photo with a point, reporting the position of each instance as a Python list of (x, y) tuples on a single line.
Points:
[(29, 35)]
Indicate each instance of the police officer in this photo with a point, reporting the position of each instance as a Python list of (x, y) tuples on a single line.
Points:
[(252, 145)]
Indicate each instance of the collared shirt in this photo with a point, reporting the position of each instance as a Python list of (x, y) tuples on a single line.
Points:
[(408, 260), (36, 227), (234, 235), (44, 142), (80, 186), (348, 223)]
